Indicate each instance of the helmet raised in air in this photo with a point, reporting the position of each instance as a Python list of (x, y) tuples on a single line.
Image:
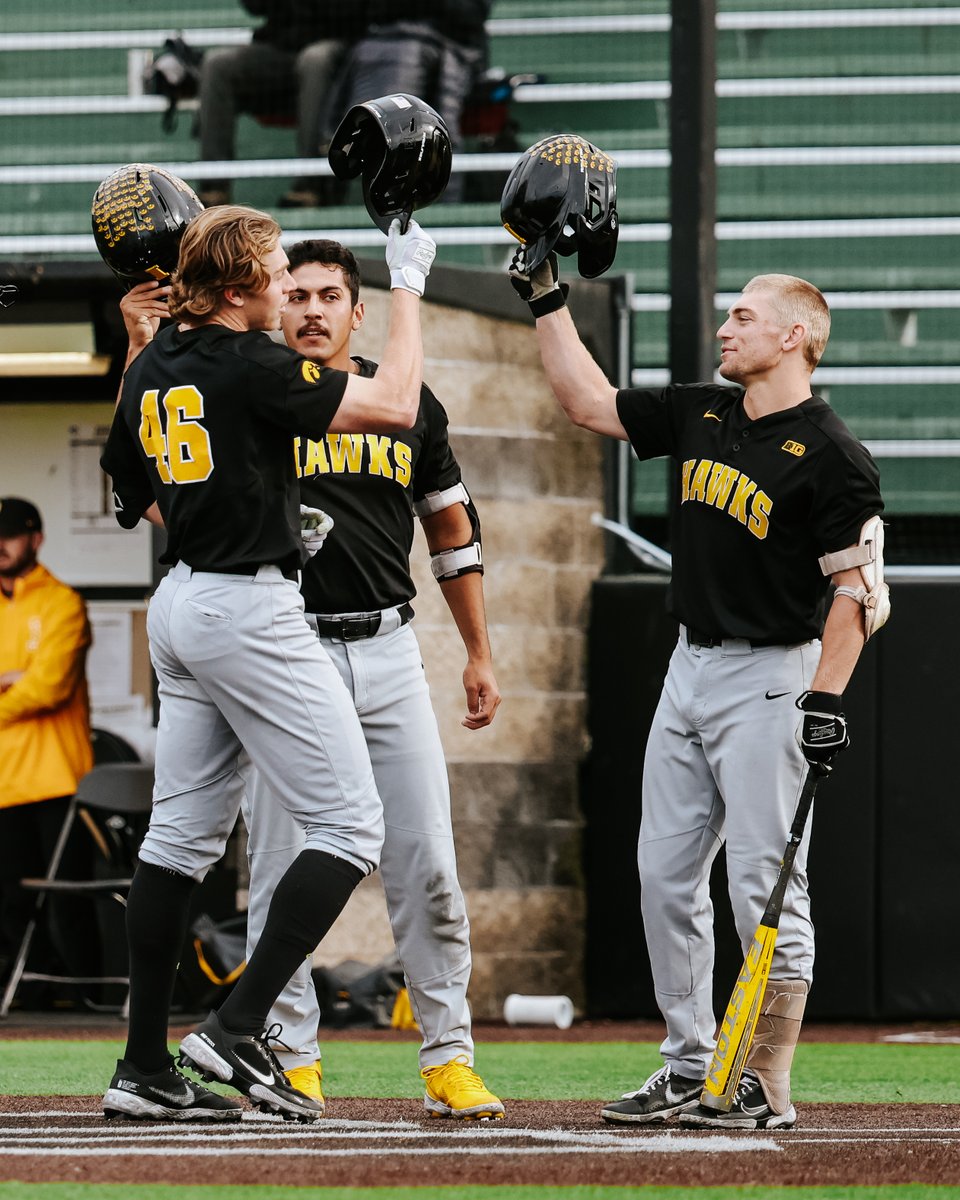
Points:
[(139, 213), (562, 195), (401, 147)]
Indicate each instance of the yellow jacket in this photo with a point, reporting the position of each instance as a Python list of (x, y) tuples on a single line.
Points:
[(45, 714)]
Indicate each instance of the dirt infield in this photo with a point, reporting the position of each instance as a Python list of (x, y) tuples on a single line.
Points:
[(546, 1143), (363, 1142)]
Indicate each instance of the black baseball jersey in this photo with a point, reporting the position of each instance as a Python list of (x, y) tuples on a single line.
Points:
[(367, 482), (203, 426), (759, 502)]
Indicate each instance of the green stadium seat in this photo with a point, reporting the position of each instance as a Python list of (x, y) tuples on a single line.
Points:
[(753, 45)]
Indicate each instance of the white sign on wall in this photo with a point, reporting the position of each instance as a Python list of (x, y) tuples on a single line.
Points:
[(50, 454)]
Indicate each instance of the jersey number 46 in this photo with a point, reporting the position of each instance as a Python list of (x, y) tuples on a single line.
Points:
[(176, 441)]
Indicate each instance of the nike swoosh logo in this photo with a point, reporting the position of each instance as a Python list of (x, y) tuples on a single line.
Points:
[(267, 1080), (776, 695), (183, 1097), (708, 413)]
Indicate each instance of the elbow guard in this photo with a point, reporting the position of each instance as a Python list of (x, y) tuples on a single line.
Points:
[(450, 564), (458, 560), (873, 593)]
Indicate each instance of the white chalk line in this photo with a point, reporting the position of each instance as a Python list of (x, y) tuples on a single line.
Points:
[(271, 1125), (663, 1144), (136, 1139), (947, 1138)]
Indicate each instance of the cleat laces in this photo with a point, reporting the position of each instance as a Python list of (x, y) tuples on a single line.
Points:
[(270, 1038), (663, 1075)]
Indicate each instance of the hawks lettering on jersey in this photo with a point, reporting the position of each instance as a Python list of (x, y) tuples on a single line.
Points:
[(354, 453), (729, 490)]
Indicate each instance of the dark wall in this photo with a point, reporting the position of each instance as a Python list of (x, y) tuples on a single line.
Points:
[(886, 828)]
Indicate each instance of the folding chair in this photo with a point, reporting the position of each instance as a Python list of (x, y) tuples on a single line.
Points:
[(115, 793)]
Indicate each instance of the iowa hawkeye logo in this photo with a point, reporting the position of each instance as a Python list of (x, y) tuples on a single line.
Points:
[(353, 454), (725, 488)]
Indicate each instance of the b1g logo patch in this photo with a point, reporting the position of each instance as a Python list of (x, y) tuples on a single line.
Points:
[(796, 448), (310, 371)]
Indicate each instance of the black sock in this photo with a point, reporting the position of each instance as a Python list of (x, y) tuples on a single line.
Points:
[(157, 910), (306, 902)]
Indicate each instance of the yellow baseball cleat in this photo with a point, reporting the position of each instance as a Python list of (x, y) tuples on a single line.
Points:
[(308, 1080), (456, 1090)]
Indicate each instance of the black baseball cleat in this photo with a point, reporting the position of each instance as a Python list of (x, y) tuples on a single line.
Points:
[(749, 1110), (247, 1063), (164, 1096), (663, 1094)]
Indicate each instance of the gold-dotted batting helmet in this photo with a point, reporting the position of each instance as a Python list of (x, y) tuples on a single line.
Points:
[(139, 213), (562, 195)]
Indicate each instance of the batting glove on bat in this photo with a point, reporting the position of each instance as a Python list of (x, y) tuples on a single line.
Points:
[(823, 731), (314, 527), (410, 256), (541, 288)]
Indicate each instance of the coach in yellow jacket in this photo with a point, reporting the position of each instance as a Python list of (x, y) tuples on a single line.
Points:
[(44, 721)]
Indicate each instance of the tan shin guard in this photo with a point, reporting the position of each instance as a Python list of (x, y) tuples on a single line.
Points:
[(778, 1028)]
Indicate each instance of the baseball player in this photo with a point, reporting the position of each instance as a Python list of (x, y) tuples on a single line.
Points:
[(201, 443), (776, 500), (357, 593)]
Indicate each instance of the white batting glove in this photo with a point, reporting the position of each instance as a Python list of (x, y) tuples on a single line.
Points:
[(314, 527), (410, 256)]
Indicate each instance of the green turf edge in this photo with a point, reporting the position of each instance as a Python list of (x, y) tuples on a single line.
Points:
[(824, 1072), (108, 1191)]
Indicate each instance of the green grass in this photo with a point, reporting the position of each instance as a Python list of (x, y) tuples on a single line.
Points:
[(823, 1072)]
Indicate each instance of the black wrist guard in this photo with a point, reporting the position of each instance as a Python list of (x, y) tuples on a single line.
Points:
[(551, 302)]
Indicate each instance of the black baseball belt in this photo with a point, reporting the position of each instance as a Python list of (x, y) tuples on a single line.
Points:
[(350, 627), (706, 641)]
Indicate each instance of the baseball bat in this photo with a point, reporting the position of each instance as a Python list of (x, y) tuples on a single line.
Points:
[(739, 1022)]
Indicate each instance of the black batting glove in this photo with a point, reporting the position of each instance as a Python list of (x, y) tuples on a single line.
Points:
[(540, 288), (823, 731)]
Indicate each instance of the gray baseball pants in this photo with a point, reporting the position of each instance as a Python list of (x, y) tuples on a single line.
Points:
[(723, 764), (385, 677), (239, 668)]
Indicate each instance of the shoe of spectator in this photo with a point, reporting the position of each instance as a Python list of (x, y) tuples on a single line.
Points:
[(212, 196), (299, 198), (314, 193)]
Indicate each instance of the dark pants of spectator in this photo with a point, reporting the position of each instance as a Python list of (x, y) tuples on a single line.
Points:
[(261, 80), (425, 65), (66, 940)]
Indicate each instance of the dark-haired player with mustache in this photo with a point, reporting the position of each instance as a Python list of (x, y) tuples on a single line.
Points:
[(357, 593)]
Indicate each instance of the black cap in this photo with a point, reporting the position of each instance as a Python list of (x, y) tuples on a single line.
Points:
[(18, 516)]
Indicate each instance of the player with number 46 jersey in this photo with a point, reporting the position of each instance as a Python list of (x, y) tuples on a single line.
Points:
[(201, 443)]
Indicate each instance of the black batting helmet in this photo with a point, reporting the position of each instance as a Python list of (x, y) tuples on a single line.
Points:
[(401, 147), (139, 213), (562, 195)]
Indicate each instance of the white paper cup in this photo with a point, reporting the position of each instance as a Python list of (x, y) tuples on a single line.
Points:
[(538, 1010)]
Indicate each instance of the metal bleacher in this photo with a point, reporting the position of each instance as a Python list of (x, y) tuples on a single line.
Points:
[(838, 160)]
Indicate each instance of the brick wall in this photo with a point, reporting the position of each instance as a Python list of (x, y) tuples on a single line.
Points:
[(536, 480)]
